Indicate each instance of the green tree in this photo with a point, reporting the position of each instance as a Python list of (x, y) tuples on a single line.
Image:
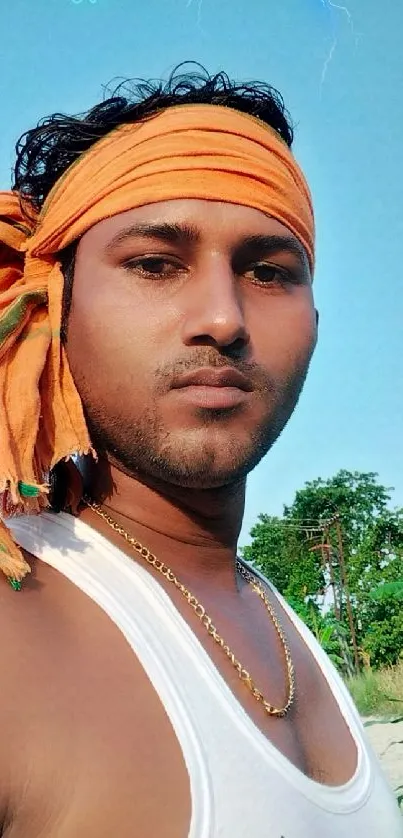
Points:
[(383, 636), (289, 551)]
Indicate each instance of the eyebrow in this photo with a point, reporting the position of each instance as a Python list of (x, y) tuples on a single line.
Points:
[(172, 233), (189, 234), (253, 245)]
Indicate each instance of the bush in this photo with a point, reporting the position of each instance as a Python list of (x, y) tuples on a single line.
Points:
[(378, 692)]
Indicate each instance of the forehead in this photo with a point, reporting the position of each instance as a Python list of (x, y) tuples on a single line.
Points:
[(220, 221)]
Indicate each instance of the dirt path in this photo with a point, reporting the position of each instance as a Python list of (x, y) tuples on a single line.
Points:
[(382, 737)]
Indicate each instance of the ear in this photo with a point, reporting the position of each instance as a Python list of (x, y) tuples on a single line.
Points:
[(317, 317)]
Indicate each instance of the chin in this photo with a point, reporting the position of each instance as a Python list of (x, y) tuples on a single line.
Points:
[(203, 482), (206, 469), (201, 459)]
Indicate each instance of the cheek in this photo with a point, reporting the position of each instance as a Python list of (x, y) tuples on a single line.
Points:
[(114, 337), (287, 335)]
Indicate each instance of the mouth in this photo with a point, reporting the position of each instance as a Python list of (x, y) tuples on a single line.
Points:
[(217, 389)]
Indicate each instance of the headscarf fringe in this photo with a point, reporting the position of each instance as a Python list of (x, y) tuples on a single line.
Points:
[(12, 561), (19, 498)]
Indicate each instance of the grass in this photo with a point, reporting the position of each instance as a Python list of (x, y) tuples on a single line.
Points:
[(378, 692)]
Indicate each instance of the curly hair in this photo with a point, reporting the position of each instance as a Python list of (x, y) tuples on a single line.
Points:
[(46, 151)]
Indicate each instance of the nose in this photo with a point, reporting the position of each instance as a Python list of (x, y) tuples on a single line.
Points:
[(214, 310)]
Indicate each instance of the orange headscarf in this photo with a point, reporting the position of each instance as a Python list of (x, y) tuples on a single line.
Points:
[(188, 151)]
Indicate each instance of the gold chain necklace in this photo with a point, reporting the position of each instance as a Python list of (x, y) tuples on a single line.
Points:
[(206, 621)]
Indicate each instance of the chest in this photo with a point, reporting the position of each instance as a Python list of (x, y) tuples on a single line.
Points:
[(113, 737), (102, 758)]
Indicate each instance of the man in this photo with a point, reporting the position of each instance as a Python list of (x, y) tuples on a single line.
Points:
[(157, 326)]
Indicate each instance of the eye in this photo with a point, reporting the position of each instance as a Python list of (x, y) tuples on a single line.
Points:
[(153, 266), (268, 274)]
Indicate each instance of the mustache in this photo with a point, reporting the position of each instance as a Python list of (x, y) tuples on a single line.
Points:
[(166, 374)]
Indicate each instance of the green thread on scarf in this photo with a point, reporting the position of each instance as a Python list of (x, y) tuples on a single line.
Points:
[(18, 311), (15, 583), (28, 491)]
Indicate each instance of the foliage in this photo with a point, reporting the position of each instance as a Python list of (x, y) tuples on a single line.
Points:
[(378, 693), (325, 628), (288, 550), (384, 617)]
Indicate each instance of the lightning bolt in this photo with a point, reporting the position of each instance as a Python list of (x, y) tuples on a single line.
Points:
[(189, 3), (341, 9), (349, 17), (327, 63), (329, 4)]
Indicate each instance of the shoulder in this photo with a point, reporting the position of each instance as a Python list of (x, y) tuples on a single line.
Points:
[(15, 635), (24, 615), (26, 620), (35, 629), (14, 616)]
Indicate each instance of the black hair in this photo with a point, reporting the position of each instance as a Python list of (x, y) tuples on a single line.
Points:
[(46, 151)]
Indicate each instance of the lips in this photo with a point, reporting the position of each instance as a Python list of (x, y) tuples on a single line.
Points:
[(212, 377), (213, 389)]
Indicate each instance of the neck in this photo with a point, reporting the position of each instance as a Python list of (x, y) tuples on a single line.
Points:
[(197, 529)]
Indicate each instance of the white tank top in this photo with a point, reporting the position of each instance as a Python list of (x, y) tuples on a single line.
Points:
[(241, 785)]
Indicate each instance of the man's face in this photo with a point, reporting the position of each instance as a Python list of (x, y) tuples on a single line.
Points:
[(190, 333)]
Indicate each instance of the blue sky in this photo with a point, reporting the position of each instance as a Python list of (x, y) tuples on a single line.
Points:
[(340, 71)]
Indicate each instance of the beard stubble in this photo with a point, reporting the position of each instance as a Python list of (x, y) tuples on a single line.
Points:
[(146, 447)]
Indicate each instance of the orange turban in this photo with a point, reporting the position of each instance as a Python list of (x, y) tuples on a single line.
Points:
[(188, 151)]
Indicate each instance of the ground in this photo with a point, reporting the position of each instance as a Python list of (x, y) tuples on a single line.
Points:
[(382, 738)]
